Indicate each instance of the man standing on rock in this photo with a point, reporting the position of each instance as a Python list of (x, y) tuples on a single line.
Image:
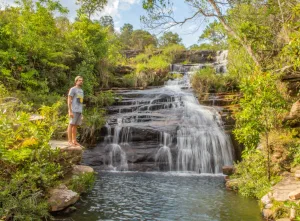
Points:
[(75, 100)]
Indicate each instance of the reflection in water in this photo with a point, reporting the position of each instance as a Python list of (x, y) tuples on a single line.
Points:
[(163, 196)]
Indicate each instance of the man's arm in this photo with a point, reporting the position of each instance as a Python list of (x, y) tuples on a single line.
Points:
[(70, 106)]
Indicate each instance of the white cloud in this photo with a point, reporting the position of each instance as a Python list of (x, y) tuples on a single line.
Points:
[(114, 6), (5, 3)]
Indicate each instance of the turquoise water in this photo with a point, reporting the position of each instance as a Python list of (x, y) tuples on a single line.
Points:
[(163, 196)]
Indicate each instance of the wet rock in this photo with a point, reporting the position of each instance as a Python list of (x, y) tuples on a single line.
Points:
[(71, 153), (81, 169), (228, 170), (232, 184), (294, 195), (61, 197), (69, 210)]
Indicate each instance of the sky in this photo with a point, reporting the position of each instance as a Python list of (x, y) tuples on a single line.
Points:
[(129, 11)]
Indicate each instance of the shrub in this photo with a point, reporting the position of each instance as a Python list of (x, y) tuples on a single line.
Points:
[(82, 183), (28, 164), (129, 80), (206, 80), (251, 175)]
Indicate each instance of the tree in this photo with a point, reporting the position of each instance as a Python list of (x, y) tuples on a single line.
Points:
[(216, 35), (125, 36), (127, 28), (160, 15), (169, 38), (261, 107), (90, 7), (107, 21), (140, 39)]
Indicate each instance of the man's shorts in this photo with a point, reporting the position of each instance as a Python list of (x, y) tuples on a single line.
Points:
[(77, 119)]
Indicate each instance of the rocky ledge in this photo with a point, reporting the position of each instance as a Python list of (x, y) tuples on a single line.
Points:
[(61, 197), (286, 191)]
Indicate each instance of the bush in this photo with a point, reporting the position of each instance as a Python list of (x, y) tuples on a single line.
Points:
[(28, 164), (206, 80), (82, 183), (129, 80), (94, 116), (252, 180)]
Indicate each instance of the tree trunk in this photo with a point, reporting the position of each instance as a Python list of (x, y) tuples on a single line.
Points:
[(233, 34), (268, 152)]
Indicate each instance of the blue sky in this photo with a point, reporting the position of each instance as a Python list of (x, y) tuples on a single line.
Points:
[(129, 11)]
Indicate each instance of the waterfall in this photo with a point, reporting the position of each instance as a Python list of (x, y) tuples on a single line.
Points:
[(221, 61), (116, 158), (163, 157), (191, 136)]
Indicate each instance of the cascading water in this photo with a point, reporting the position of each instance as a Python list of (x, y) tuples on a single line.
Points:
[(194, 139), (116, 157), (163, 157)]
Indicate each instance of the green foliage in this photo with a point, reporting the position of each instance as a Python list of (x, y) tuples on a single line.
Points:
[(82, 183), (20, 202), (136, 39), (286, 208), (251, 175), (152, 67), (169, 38), (290, 53), (172, 51), (240, 64), (94, 120), (53, 115), (261, 106), (216, 35), (94, 117), (140, 39), (90, 7), (40, 55), (28, 164), (206, 80), (129, 80), (107, 21)]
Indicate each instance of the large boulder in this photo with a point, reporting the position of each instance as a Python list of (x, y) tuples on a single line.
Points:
[(294, 112), (71, 153), (61, 197), (228, 170), (81, 169), (281, 191)]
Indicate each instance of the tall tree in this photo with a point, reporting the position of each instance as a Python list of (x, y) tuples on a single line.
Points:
[(169, 38), (90, 7), (140, 39), (107, 21), (125, 36), (215, 34)]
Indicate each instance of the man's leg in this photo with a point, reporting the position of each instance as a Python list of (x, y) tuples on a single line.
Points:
[(74, 133), (70, 134)]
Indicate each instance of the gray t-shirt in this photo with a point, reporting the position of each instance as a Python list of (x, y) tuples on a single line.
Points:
[(77, 99)]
